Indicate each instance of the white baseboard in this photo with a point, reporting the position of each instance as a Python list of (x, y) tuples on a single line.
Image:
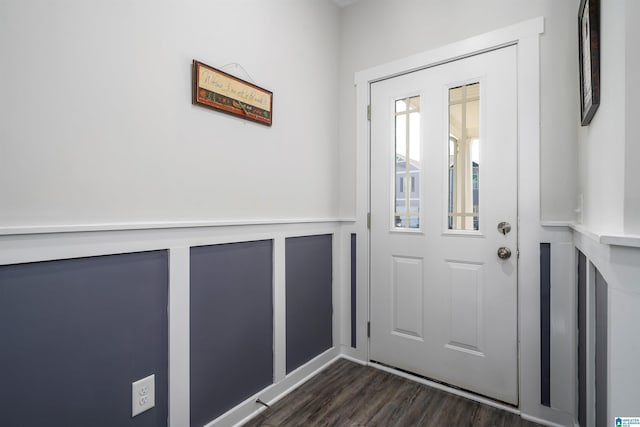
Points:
[(291, 387), (541, 421), (353, 359), (249, 409)]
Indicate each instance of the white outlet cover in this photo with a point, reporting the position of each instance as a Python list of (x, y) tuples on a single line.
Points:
[(143, 395)]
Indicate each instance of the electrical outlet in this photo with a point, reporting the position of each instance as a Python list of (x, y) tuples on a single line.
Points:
[(143, 395)]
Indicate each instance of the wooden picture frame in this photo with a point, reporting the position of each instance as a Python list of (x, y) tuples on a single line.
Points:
[(589, 42), (223, 92)]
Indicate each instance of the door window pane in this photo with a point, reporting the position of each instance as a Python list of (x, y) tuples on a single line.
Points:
[(407, 163), (464, 157)]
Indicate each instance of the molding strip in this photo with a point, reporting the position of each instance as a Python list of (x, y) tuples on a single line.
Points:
[(128, 226)]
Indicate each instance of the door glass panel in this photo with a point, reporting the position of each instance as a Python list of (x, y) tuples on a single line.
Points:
[(407, 164), (464, 157)]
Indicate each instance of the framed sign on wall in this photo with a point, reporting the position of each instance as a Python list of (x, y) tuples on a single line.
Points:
[(220, 91), (589, 41)]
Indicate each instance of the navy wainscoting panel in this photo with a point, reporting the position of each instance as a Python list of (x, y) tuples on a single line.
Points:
[(231, 326), (309, 306), (602, 290), (582, 339), (353, 290), (545, 324), (76, 333)]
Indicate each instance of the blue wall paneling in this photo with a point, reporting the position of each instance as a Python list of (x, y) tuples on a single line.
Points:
[(76, 333), (353, 290), (582, 339), (602, 290), (231, 323), (309, 305), (545, 324)]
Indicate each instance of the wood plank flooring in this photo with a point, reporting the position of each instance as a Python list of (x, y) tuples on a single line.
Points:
[(351, 395)]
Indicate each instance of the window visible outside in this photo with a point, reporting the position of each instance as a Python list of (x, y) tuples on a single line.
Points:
[(407, 163), (464, 157)]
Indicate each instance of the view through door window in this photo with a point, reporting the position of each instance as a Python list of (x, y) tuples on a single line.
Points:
[(407, 164), (464, 157)]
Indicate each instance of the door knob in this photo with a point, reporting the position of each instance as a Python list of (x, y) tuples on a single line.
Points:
[(504, 253)]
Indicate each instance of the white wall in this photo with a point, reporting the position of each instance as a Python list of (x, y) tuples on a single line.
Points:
[(379, 31), (609, 153), (609, 147), (624, 347), (632, 105), (97, 131), (97, 126), (602, 143)]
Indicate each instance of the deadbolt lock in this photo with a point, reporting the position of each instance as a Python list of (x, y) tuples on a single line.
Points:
[(504, 227)]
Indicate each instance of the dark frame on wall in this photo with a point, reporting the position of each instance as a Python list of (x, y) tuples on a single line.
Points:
[(589, 42), (220, 91)]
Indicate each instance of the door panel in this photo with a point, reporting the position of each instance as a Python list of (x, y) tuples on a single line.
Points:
[(408, 310), (443, 176), (466, 287)]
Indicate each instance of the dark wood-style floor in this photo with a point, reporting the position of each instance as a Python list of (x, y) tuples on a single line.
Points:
[(348, 394)]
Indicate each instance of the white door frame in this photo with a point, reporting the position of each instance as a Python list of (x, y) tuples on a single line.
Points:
[(526, 36)]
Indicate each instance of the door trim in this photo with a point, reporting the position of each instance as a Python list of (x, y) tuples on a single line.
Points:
[(525, 36)]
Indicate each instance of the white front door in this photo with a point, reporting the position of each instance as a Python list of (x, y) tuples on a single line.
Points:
[(443, 177)]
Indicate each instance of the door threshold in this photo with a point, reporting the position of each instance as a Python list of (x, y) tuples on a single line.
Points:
[(445, 387)]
